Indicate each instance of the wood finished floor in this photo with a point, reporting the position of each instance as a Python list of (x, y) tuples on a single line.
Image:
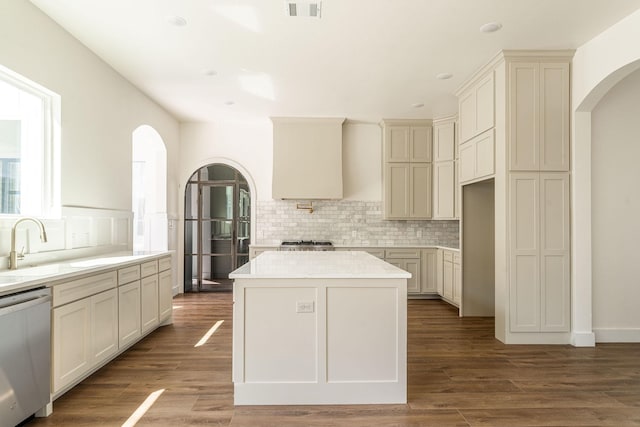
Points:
[(459, 375)]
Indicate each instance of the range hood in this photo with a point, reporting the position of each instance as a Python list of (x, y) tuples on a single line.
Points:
[(307, 158)]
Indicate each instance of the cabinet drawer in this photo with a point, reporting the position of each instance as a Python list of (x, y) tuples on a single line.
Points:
[(148, 268), (402, 253), (82, 288), (128, 274), (164, 264), (447, 256)]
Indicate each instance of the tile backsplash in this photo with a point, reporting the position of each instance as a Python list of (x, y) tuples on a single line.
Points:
[(346, 222)]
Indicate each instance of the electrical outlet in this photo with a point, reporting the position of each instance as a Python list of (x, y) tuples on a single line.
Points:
[(354, 233), (304, 307), (419, 233)]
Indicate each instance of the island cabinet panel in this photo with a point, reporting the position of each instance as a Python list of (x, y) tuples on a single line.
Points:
[(361, 344), (282, 347), (319, 328)]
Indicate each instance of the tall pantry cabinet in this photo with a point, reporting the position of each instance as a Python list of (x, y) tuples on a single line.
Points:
[(530, 139)]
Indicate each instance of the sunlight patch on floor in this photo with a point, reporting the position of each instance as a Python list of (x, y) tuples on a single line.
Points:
[(143, 408), (210, 332)]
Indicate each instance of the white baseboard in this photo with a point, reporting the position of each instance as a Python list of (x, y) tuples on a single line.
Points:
[(583, 339), (617, 334)]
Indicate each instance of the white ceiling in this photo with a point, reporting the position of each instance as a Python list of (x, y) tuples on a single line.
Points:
[(364, 60)]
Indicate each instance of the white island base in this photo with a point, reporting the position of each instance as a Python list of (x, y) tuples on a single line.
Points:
[(319, 328)]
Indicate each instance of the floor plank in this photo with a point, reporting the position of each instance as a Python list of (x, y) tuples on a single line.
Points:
[(458, 375)]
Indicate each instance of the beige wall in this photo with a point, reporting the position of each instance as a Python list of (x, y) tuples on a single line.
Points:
[(616, 212), (250, 145), (100, 109)]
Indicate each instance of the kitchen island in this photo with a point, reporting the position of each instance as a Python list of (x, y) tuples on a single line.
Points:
[(319, 328)]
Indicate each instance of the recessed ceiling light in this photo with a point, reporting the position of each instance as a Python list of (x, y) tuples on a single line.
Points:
[(444, 76), (491, 27), (209, 72), (229, 102), (177, 21), (417, 105)]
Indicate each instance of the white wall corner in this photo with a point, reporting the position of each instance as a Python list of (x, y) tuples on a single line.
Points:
[(583, 339)]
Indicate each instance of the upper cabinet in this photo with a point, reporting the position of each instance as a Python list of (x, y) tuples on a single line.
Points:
[(407, 170), (445, 169), (405, 143), (476, 108), (538, 112), (307, 158)]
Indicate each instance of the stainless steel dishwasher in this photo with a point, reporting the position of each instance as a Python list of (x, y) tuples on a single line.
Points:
[(25, 354)]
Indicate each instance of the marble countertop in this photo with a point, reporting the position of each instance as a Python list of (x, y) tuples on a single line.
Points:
[(25, 278), (340, 246), (318, 264)]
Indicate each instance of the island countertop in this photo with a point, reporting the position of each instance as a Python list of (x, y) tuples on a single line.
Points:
[(318, 264)]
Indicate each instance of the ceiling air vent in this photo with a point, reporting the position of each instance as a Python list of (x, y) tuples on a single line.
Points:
[(303, 8)]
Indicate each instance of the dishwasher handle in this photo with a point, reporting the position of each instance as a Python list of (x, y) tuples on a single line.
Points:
[(22, 300)]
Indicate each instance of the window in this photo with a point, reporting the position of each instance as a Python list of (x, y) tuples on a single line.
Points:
[(29, 147)]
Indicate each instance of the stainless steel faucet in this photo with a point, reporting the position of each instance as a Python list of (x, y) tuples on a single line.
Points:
[(13, 255)]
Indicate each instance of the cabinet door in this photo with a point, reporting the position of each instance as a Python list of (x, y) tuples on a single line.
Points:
[(439, 273), (420, 190), (447, 278), (397, 187), (484, 104), (104, 325), (467, 161), (129, 314), (444, 185), (457, 279), (467, 110), (149, 303), (524, 121), (554, 116), (397, 140), (554, 252), (524, 271), (429, 271), (420, 143), (413, 267), (165, 299), (485, 156), (71, 342), (444, 142)]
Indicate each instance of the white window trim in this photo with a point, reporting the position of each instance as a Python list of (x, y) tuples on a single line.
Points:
[(50, 206)]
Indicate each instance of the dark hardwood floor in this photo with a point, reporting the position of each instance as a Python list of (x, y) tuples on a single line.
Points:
[(459, 375)]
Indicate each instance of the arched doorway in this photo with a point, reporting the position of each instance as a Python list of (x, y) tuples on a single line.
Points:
[(149, 190), (217, 227)]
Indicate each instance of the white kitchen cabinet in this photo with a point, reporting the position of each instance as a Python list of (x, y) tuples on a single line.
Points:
[(407, 170), (104, 326), (538, 110), (457, 279), (429, 271), (407, 142), (129, 330), (476, 108), (540, 261), (84, 335), (444, 169), (449, 276), (165, 297), (71, 343), (149, 303), (408, 260), (477, 158)]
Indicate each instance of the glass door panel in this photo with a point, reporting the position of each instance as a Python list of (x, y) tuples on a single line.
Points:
[(217, 227)]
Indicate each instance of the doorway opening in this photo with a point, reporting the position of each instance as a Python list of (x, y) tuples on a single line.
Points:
[(149, 190), (217, 227)]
